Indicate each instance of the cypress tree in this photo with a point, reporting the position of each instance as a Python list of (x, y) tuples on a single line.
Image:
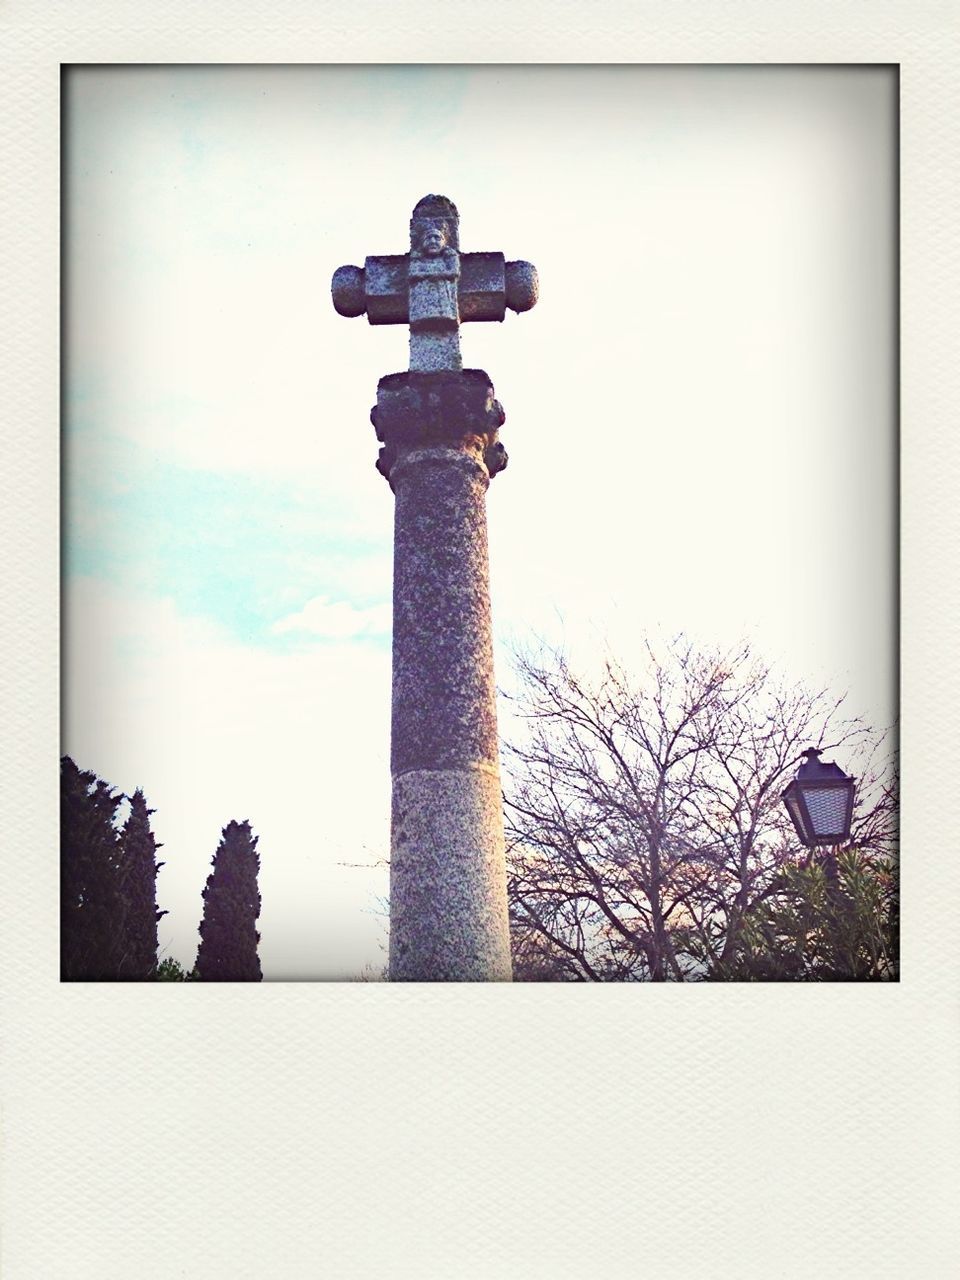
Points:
[(231, 905), (91, 896), (139, 883)]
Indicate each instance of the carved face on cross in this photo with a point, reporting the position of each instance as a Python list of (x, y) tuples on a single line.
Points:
[(433, 227), (434, 237)]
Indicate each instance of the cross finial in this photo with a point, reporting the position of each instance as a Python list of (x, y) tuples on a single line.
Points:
[(432, 213), (434, 288)]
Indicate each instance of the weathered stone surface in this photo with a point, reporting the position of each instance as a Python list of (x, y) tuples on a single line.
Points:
[(448, 901), (434, 288), (434, 350), (448, 911), (482, 286), (444, 708), (522, 285), (349, 291), (487, 286), (435, 215), (438, 408), (433, 275), (433, 291), (385, 281), (496, 458), (438, 425)]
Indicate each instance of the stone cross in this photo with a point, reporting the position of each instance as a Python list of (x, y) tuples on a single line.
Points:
[(439, 426), (434, 288)]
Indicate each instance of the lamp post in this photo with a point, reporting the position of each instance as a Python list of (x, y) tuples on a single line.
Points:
[(820, 803)]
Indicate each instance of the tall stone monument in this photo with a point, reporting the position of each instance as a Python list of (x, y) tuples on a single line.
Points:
[(438, 425)]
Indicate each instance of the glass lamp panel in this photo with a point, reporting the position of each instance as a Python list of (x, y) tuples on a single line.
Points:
[(827, 807), (796, 813)]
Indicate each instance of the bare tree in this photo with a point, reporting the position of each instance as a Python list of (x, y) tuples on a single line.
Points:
[(643, 816)]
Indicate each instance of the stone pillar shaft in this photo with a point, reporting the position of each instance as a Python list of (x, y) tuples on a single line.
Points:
[(448, 906), (448, 902)]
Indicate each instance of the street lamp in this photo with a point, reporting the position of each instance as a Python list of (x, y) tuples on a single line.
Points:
[(820, 801)]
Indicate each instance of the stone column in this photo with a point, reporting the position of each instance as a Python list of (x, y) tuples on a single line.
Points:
[(448, 901), (439, 425)]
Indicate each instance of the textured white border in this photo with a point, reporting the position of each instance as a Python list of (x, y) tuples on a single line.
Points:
[(370, 1131)]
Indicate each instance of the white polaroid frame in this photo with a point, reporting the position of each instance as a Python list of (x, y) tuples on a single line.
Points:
[(352, 1130)]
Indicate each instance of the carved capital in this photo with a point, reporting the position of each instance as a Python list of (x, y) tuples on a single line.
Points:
[(450, 409), (496, 458)]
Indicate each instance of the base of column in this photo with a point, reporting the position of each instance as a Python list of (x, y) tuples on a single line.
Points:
[(448, 896)]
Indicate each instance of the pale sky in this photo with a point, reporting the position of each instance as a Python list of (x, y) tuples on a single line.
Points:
[(700, 419)]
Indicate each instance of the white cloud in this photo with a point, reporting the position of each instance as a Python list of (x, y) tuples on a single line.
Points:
[(298, 743), (335, 620)]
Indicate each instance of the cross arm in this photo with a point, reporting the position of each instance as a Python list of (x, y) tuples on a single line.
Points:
[(487, 287)]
